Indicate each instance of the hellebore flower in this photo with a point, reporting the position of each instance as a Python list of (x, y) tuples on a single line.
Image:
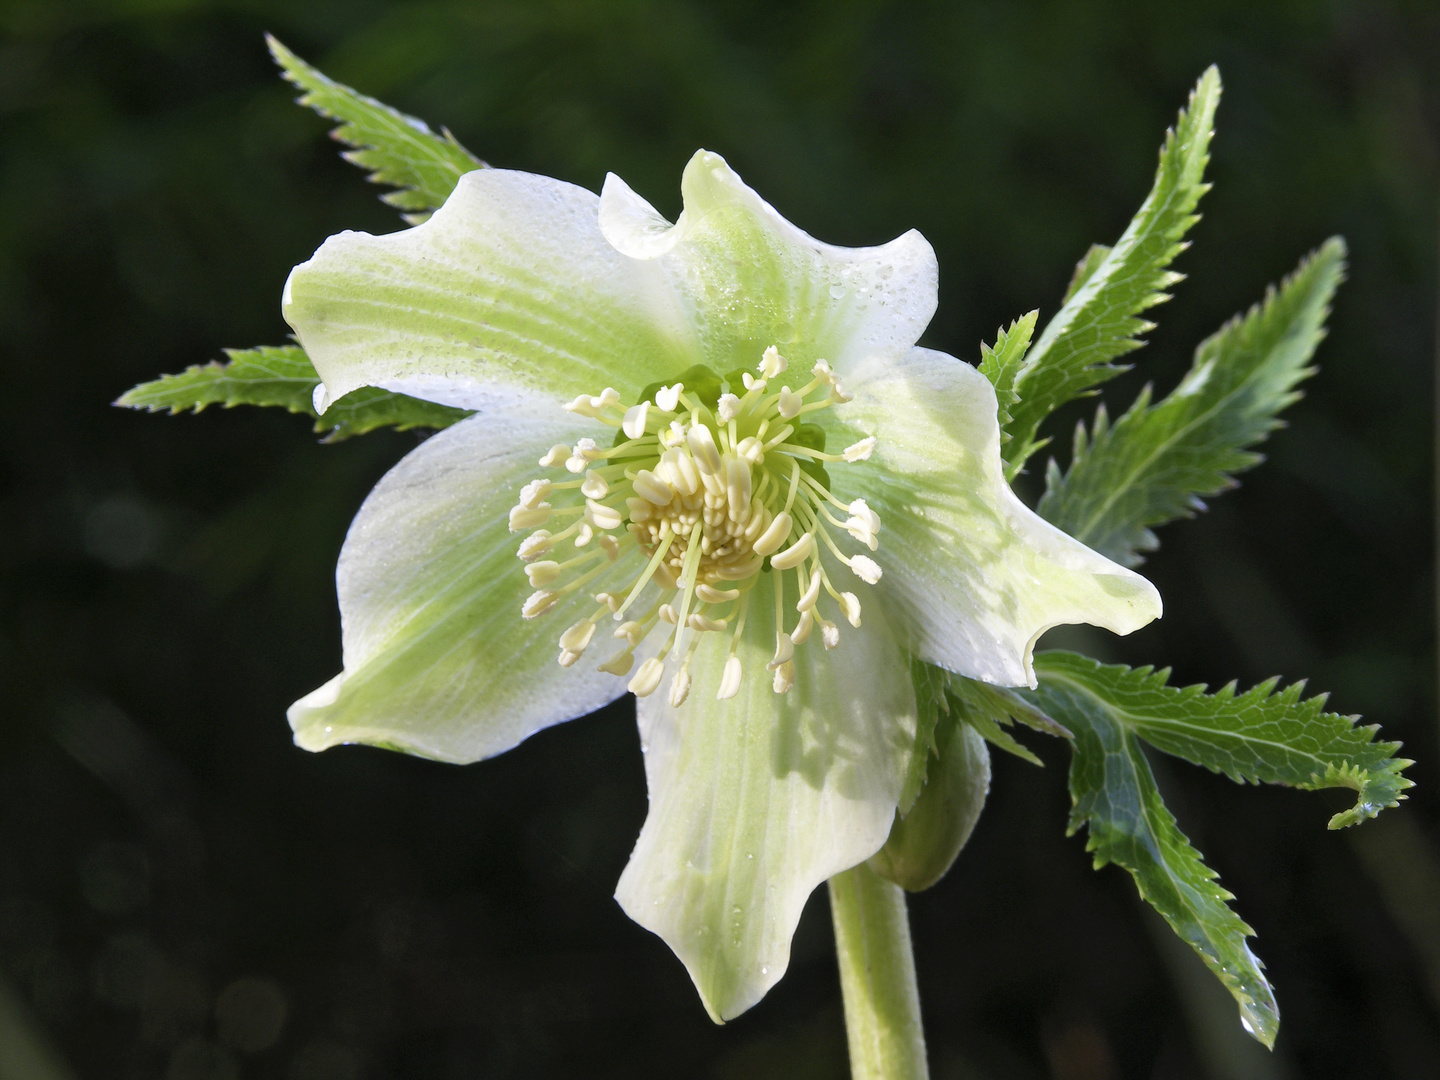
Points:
[(707, 464)]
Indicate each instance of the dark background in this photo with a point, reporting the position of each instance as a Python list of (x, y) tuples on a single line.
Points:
[(184, 894)]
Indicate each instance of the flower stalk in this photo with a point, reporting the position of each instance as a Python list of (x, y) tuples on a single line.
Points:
[(877, 977)]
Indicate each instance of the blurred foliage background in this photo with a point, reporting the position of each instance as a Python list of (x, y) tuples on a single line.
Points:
[(183, 894)]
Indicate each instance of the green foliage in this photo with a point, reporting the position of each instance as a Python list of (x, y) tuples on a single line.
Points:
[(930, 683), (1100, 318), (1261, 735), (1156, 463), (990, 709), (397, 149), (282, 375), (1002, 363)]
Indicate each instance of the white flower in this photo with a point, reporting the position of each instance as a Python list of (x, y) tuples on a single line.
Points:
[(700, 509)]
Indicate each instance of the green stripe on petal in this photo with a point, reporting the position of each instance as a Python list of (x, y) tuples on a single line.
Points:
[(748, 279), (509, 284), (972, 576), (438, 661), (756, 800)]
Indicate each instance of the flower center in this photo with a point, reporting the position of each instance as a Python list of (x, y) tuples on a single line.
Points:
[(719, 484)]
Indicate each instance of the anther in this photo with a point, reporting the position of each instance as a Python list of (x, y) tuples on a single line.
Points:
[(535, 545), (619, 664), (772, 363), (801, 633), (523, 517), (542, 573), (866, 569), (594, 487), (751, 449), (784, 677), (667, 397), (702, 446), (712, 595), (680, 687), (829, 633), (555, 456), (647, 678), (634, 423), (601, 516), (667, 614), (729, 680), (807, 600), (775, 535), (586, 405), (790, 403), (538, 603), (610, 546), (784, 650), (850, 607), (631, 632), (704, 622), (795, 554), (861, 450), (728, 408), (577, 637), (585, 451), (534, 493)]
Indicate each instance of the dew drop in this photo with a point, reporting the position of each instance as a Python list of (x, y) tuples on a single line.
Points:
[(837, 291)]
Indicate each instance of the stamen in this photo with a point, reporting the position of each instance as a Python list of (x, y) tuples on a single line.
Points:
[(667, 397), (795, 554), (634, 423), (556, 456), (647, 678), (861, 450), (772, 363), (866, 569), (729, 679)]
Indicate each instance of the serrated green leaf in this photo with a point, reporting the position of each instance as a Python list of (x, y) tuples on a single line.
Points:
[(986, 708), (282, 375), (1114, 795), (1100, 319), (1264, 735), (930, 704), (1002, 363), (397, 149), (1085, 269), (1261, 735), (1156, 463)]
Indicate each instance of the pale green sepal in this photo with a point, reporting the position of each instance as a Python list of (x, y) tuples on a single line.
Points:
[(508, 286), (438, 661), (971, 574), (396, 149), (756, 800), (925, 843), (747, 279)]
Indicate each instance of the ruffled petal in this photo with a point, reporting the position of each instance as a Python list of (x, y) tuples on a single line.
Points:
[(747, 279), (509, 284), (756, 800), (972, 576), (438, 661)]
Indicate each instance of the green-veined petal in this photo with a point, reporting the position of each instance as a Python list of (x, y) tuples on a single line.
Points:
[(972, 574), (509, 284), (438, 660), (747, 279), (756, 800)]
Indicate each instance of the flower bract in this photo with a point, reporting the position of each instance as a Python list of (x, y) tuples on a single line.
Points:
[(708, 465)]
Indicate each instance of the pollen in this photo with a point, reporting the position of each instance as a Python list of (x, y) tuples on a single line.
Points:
[(720, 488)]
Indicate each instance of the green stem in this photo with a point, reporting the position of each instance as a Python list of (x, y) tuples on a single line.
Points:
[(877, 977)]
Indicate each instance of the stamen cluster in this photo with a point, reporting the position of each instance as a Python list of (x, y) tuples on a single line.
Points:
[(714, 490)]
